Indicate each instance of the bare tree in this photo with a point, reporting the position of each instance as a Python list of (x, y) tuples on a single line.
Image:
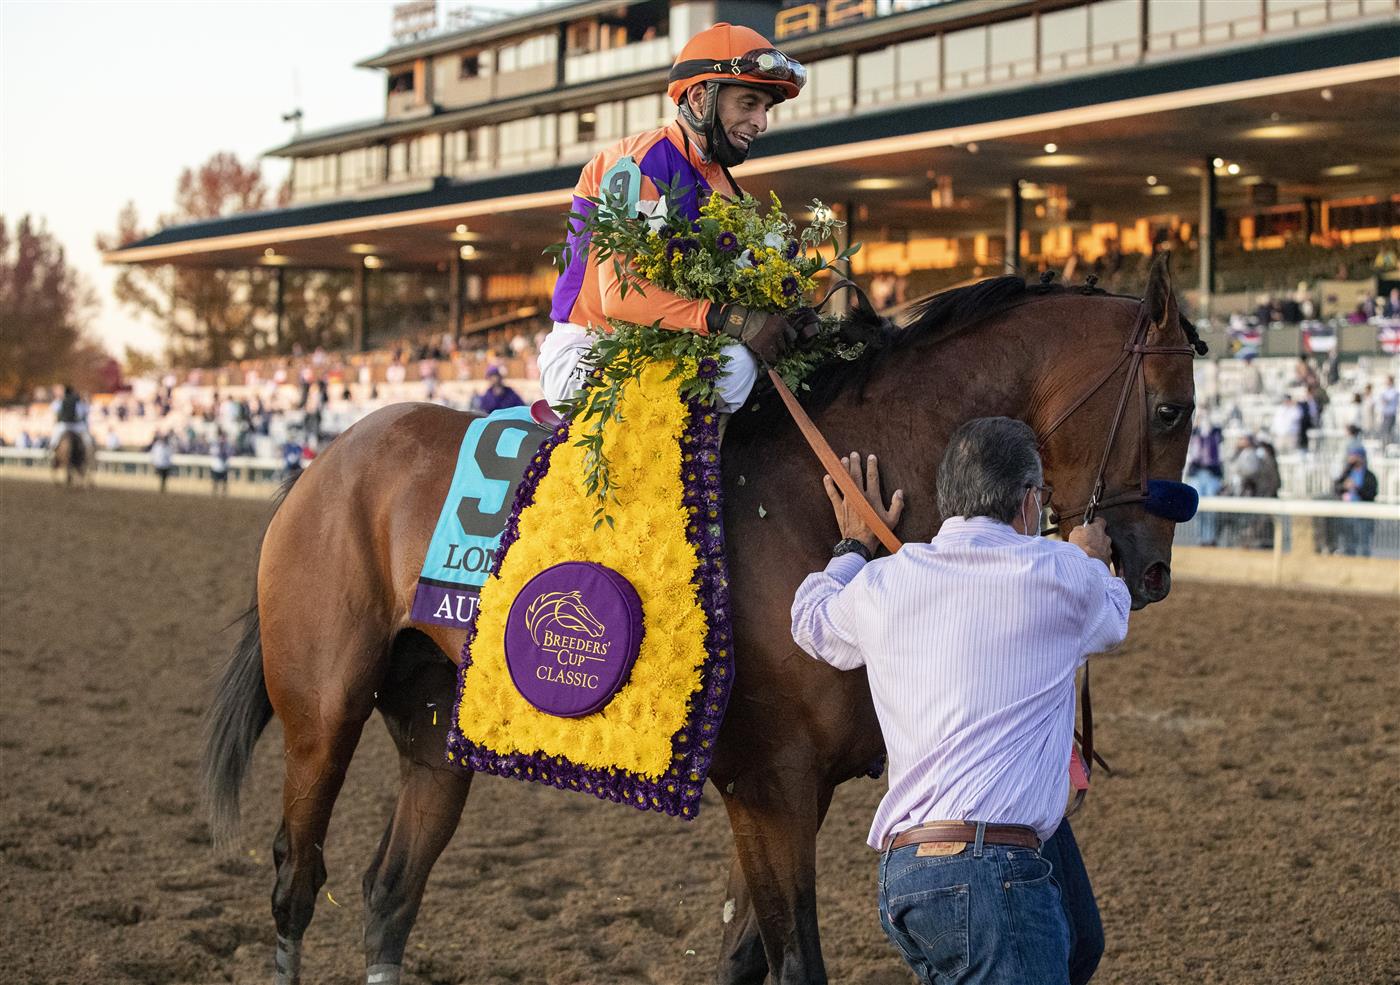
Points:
[(45, 306), (209, 316)]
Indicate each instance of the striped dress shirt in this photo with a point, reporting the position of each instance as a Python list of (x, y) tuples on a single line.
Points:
[(971, 643)]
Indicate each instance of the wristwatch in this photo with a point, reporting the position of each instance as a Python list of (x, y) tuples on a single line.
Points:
[(851, 546)]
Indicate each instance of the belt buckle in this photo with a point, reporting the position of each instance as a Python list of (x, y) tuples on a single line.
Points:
[(938, 849)]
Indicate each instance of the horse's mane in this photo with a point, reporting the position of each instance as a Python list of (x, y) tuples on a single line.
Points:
[(936, 320)]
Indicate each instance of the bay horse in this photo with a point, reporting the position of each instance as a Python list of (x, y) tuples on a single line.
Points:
[(358, 521), (70, 455)]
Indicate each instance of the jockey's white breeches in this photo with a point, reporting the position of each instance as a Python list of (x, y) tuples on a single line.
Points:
[(562, 372), (79, 428)]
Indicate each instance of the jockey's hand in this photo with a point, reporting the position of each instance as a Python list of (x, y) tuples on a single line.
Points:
[(847, 519), (766, 333), (806, 321)]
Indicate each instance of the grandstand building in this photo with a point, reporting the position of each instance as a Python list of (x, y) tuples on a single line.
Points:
[(956, 137)]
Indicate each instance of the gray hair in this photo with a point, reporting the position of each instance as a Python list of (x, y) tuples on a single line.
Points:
[(989, 465)]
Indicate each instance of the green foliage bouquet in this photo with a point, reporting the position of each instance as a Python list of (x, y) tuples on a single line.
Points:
[(734, 253)]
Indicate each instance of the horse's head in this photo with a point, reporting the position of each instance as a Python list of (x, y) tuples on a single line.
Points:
[(1140, 449)]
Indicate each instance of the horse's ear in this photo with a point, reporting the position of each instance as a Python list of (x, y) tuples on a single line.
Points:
[(1160, 298)]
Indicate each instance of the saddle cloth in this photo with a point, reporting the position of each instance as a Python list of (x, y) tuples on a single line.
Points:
[(651, 744)]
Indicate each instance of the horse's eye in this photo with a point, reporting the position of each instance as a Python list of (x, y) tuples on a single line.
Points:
[(1170, 415)]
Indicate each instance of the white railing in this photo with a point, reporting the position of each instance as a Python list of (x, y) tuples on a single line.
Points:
[(244, 468), (1318, 543)]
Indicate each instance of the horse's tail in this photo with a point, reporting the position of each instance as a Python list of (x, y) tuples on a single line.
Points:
[(240, 711)]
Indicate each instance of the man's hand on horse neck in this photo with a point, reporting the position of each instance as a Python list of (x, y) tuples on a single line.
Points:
[(851, 525)]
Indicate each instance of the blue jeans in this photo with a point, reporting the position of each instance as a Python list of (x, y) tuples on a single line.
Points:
[(991, 915)]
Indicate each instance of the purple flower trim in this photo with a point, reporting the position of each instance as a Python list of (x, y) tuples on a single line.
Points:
[(677, 791)]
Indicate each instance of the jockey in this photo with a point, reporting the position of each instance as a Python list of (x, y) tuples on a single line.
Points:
[(724, 81), (71, 414)]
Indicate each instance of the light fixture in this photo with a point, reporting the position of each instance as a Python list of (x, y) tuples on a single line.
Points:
[(1342, 170), (1152, 179), (461, 227), (1051, 148), (373, 262), (1056, 161), (361, 248), (269, 252), (1233, 168), (271, 258), (877, 184), (1219, 162), (1159, 190), (467, 251), (972, 147), (1326, 95), (588, 117), (1283, 131)]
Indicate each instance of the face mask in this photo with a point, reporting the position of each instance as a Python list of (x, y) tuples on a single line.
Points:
[(1031, 529)]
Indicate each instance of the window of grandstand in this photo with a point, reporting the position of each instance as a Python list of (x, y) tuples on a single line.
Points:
[(645, 112), (528, 141), (400, 83), (361, 167), (314, 177), (466, 150), (586, 123), (1363, 215), (828, 91), (469, 66), (415, 158), (527, 53)]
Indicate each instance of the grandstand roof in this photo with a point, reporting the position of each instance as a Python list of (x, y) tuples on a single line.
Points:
[(1262, 106)]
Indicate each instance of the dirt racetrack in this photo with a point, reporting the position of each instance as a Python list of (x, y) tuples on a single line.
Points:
[(1248, 835)]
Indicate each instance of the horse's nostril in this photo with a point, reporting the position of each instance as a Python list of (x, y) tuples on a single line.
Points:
[(1157, 581)]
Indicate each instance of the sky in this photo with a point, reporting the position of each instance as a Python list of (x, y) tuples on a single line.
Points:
[(106, 102)]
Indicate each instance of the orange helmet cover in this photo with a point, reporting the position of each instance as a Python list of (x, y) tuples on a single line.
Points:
[(722, 42)]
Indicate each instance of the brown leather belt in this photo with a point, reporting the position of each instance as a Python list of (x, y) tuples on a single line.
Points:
[(1019, 835)]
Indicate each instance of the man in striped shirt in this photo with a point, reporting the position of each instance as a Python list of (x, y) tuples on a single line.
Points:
[(971, 644)]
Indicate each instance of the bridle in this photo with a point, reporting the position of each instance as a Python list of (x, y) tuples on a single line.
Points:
[(1134, 350)]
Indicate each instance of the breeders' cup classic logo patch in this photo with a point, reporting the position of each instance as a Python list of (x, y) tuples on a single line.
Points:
[(572, 636), (563, 611)]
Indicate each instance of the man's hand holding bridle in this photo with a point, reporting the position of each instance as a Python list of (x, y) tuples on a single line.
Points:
[(849, 521)]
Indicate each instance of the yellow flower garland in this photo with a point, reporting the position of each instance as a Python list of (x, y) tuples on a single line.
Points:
[(647, 545)]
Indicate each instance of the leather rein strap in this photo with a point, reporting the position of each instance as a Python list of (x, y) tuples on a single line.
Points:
[(834, 468)]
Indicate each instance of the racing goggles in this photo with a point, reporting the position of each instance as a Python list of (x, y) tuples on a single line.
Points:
[(761, 65)]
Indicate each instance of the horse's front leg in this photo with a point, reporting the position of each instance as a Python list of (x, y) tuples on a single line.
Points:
[(775, 811), (741, 957)]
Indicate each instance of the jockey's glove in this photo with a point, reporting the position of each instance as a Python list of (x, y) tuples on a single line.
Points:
[(766, 333)]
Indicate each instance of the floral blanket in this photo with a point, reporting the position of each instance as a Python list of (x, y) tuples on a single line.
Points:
[(651, 745)]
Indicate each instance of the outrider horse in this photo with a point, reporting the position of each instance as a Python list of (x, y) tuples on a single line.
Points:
[(357, 525), (70, 455)]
